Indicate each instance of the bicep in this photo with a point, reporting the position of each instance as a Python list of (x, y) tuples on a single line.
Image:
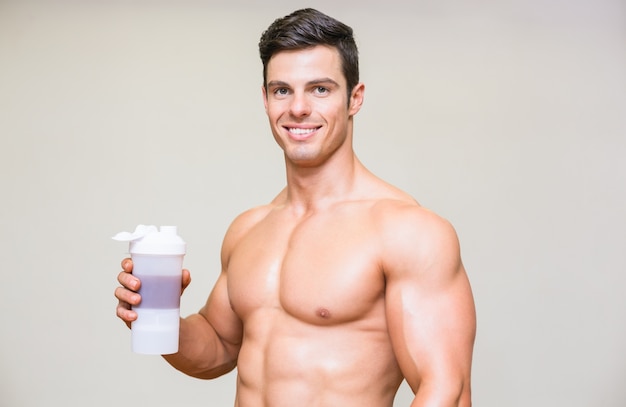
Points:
[(218, 311), (432, 331), (430, 308), (219, 314)]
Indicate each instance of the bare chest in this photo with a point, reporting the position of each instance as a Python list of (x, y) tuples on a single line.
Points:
[(322, 270)]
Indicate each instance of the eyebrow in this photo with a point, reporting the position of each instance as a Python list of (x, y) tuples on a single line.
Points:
[(320, 81)]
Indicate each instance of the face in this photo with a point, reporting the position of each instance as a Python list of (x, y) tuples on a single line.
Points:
[(306, 103)]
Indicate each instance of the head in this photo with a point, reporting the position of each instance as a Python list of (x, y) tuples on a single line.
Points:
[(307, 28)]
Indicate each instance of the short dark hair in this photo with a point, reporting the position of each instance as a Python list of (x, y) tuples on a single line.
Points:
[(307, 28)]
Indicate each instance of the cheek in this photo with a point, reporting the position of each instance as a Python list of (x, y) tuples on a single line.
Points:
[(274, 110), (331, 110), (334, 118)]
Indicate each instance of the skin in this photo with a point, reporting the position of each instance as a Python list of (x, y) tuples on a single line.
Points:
[(339, 288)]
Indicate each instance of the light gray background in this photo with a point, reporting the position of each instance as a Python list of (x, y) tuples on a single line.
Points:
[(506, 117)]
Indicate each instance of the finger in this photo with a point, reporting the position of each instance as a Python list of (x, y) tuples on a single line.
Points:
[(124, 309), (128, 281), (125, 314), (127, 265), (186, 279), (129, 298)]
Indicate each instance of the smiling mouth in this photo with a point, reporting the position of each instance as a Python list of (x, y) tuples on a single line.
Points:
[(300, 131)]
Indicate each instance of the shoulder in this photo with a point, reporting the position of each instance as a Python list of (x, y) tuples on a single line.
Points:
[(415, 239), (407, 229), (246, 220), (407, 216), (240, 227)]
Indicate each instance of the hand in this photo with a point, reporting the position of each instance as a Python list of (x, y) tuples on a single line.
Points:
[(128, 295)]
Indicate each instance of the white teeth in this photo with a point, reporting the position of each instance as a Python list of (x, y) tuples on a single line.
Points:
[(299, 131)]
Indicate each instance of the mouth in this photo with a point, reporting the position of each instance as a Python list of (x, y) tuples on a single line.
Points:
[(301, 133)]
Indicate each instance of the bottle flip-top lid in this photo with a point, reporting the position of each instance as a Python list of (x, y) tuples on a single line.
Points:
[(149, 240)]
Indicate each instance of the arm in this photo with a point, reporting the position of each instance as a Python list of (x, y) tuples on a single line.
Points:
[(210, 340), (429, 306)]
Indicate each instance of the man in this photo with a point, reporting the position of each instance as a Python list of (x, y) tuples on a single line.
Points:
[(343, 285)]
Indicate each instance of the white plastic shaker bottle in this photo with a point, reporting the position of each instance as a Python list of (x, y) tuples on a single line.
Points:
[(157, 262)]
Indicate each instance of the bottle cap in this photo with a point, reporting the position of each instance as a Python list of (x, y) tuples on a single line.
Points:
[(149, 240)]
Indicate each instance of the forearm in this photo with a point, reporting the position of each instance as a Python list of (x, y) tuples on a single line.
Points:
[(201, 353)]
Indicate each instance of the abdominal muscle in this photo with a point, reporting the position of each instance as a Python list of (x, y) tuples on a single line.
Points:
[(285, 362)]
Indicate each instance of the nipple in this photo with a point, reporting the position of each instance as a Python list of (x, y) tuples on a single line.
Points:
[(323, 313)]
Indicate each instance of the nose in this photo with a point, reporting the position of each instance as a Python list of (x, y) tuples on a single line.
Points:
[(300, 106)]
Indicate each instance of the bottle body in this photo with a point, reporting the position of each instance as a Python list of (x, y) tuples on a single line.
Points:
[(156, 329)]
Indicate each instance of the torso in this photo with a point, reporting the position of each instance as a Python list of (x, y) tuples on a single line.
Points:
[(311, 294)]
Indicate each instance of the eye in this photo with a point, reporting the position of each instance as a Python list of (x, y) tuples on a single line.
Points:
[(281, 91), (321, 90)]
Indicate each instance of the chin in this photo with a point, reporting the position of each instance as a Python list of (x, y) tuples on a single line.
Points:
[(302, 155)]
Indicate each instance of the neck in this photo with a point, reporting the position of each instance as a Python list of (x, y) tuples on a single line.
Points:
[(312, 188)]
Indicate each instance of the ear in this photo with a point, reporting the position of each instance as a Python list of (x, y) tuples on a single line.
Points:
[(264, 93), (356, 99)]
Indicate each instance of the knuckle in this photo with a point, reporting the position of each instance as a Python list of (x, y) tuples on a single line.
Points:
[(121, 313)]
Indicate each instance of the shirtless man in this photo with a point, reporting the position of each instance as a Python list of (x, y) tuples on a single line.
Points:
[(343, 285)]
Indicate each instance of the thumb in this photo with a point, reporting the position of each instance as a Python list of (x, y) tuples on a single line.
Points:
[(186, 280)]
